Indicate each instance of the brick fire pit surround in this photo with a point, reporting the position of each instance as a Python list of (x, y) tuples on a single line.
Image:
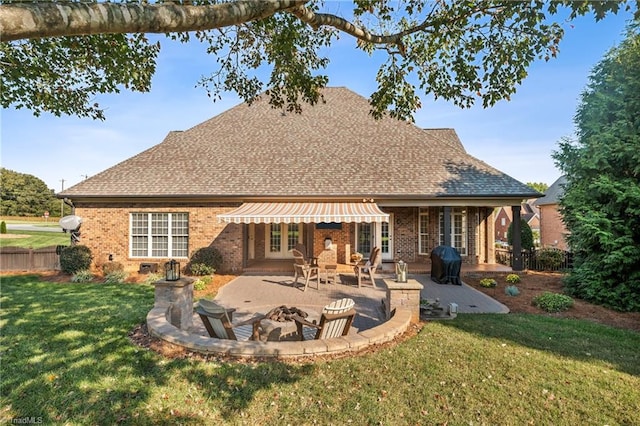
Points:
[(160, 318)]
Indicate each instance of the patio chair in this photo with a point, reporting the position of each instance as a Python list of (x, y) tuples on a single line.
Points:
[(305, 254), (335, 320), (217, 320), (301, 268), (368, 270)]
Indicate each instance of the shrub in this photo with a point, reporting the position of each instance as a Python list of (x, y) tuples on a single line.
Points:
[(83, 276), (115, 277), (75, 258), (3, 227), (488, 283), (511, 290), (553, 302), (152, 278), (199, 284), (550, 258), (201, 269), (526, 235), (513, 278), (110, 267), (208, 256)]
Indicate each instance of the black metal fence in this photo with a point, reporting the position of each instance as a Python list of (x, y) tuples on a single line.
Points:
[(546, 259)]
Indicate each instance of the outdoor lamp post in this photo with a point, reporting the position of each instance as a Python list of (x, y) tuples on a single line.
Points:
[(172, 270)]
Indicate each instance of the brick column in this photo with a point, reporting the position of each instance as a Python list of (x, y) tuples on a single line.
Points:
[(403, 296), (177, 297)]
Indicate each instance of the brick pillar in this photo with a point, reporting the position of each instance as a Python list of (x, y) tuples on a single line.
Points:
[(403, 296), (177, 297)]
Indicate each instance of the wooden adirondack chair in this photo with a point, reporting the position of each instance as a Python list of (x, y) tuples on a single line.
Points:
[(335, 321), (217, 321), (368, 270), (301, 268)]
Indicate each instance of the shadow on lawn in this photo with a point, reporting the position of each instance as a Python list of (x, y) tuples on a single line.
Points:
[(576, 339), (67, 358)]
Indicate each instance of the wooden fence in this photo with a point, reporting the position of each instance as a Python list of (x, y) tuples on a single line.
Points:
[(24, 259), (547, 259)]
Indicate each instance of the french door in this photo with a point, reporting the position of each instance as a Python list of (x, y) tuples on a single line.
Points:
[(281, 238), (370, 235)]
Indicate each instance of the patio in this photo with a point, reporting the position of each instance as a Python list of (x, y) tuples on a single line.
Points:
[(251, 294)]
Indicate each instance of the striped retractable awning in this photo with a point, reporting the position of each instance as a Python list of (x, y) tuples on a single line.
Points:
[(305, 213)]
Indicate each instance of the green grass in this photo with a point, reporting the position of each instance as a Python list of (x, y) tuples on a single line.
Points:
[(66, 358), (35, 240)]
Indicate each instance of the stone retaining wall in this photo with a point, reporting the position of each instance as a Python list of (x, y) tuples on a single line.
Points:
[(172, 315), (159, 326)]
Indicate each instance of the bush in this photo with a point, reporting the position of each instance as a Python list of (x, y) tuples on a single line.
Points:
[(201, 269), (3, 227), (199, 285), (488, 283), (111, 267), (511, 290), (526, 235), (75, 258), (115, 277), (550, 258), (553, 302), (208, 256), (513, 278), (152, 278), (83, 276)]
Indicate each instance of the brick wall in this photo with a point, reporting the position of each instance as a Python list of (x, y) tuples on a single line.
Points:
[(552, 229), (105, 230)]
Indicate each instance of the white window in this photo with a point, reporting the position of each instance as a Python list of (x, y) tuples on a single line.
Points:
[(423, 232), (458, 229), (159, 235), (503, 221)]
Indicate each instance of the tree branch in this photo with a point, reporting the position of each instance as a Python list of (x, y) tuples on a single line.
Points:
[(49, 19)]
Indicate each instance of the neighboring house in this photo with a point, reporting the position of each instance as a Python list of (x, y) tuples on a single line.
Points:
[(255, 181), (528, 211), (552, 229)]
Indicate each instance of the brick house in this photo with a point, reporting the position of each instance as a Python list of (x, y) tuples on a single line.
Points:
[(552, 229), (255, 181)]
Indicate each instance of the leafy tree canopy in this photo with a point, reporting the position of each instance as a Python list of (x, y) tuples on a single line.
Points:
[(541, 187), (25, 195), (601, 202), (56, 56)]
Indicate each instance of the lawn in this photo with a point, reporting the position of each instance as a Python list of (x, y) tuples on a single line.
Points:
[(34, 239), (67, 359)]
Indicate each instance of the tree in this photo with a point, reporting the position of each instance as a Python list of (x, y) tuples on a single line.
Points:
[(526, 235), (541, 187), (24, 195), (56, 56), (601, 202)]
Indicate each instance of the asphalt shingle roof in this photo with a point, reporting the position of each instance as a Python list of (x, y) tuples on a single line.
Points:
[(553, 193), (333, 149)]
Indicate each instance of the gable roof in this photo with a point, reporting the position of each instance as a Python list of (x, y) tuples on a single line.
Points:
[(553, 193), (333, 149)]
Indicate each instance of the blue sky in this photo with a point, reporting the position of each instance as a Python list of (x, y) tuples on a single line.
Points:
[(516, 137)]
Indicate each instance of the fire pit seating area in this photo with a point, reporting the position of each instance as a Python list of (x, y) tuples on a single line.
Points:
[(282, 332)]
